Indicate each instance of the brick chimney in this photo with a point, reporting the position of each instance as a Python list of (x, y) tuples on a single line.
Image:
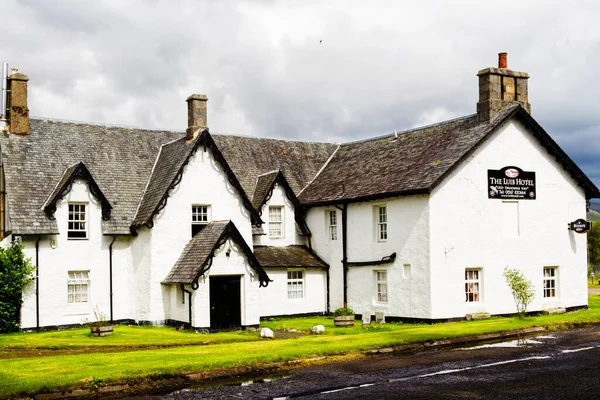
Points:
[(18, 113), (196, 115), (499, 87)]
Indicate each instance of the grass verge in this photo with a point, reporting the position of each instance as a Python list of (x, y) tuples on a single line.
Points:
[(30, 375)]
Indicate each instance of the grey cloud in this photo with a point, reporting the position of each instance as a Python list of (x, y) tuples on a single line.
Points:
[(381, 66)]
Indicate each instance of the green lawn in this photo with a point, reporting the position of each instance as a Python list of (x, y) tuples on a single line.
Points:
[(128, 337), (138, 354)]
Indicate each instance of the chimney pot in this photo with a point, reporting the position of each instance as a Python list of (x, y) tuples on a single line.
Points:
[(502, 61), (196, 115)]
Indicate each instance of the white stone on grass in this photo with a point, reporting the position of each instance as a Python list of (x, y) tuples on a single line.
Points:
[(318, 329), (266, 333)]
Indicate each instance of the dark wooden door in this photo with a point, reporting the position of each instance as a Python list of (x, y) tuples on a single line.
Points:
[(225, 302)]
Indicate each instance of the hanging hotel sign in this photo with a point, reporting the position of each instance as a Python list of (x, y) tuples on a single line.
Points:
[(580, 225), (511, 183)]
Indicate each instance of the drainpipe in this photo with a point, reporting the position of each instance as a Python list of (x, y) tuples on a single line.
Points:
[(110, 273), (37, 283), (344, 210), (183, 289), (328, 295)]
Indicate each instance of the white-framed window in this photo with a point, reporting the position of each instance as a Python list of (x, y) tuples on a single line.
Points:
[(200, 218), (77, 222), (382, 286), (332, 224), (381, 229), (295, 284), (78, 286), (472, 285), (276, 221), (550, 282)]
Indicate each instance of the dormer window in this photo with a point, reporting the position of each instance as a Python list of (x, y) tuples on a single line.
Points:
[(77, 223), (276, 221), (200, 218)]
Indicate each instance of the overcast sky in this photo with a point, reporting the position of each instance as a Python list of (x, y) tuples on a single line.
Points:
[(306, 70)]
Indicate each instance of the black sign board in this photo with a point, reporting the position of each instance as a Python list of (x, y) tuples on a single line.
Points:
[(511, 183), (580, 225)]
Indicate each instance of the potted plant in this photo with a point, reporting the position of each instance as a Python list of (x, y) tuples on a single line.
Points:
[(100, 327), (343, 316)]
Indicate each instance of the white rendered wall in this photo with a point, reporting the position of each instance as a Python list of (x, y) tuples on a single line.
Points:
[(408, 237), (328, 250), (203, 183), (468, 230), (274, 298), (290, 235), (89, 254), (141, 273)]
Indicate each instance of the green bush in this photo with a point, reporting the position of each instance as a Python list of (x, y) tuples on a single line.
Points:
[(16, 272), (343, 312), (521, 288)]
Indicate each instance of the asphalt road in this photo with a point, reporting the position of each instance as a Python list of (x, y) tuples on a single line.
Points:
[(557, 365)]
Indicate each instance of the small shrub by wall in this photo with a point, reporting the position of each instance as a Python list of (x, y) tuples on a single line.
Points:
[(16, 272)]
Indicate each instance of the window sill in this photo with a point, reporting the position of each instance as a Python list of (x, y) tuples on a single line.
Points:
[(73, 238)]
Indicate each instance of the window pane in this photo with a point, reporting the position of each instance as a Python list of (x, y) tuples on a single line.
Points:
[(295, 285), (78, 287), (276, 221), (472, 285)]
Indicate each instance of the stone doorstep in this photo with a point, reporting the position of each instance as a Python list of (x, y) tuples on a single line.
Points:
[(555, 310), (225, 373)]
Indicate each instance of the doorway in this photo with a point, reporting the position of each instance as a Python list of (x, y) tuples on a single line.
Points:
[(225, 302)]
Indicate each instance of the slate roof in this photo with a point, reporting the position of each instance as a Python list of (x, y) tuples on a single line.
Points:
[(120, 160), (288, 257), (250, 157), (135, 174), (196, 257), (264, 184), (417, 160)]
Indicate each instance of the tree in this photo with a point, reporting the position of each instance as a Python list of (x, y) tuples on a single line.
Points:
[(593, 242), (521, 288), (16, 272)]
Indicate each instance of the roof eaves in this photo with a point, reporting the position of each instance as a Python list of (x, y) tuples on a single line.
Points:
[(376, 196), (77, 170), (490, 130), (591, 190)]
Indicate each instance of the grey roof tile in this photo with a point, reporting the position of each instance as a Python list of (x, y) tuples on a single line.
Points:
[(386, 166), (120, 160), (288, 257), (196, 257)]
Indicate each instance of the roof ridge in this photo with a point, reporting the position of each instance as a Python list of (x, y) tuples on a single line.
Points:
[(217, 134), (268, 173), (104, 124), (410, 130), (320, 170), (137, 210)]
